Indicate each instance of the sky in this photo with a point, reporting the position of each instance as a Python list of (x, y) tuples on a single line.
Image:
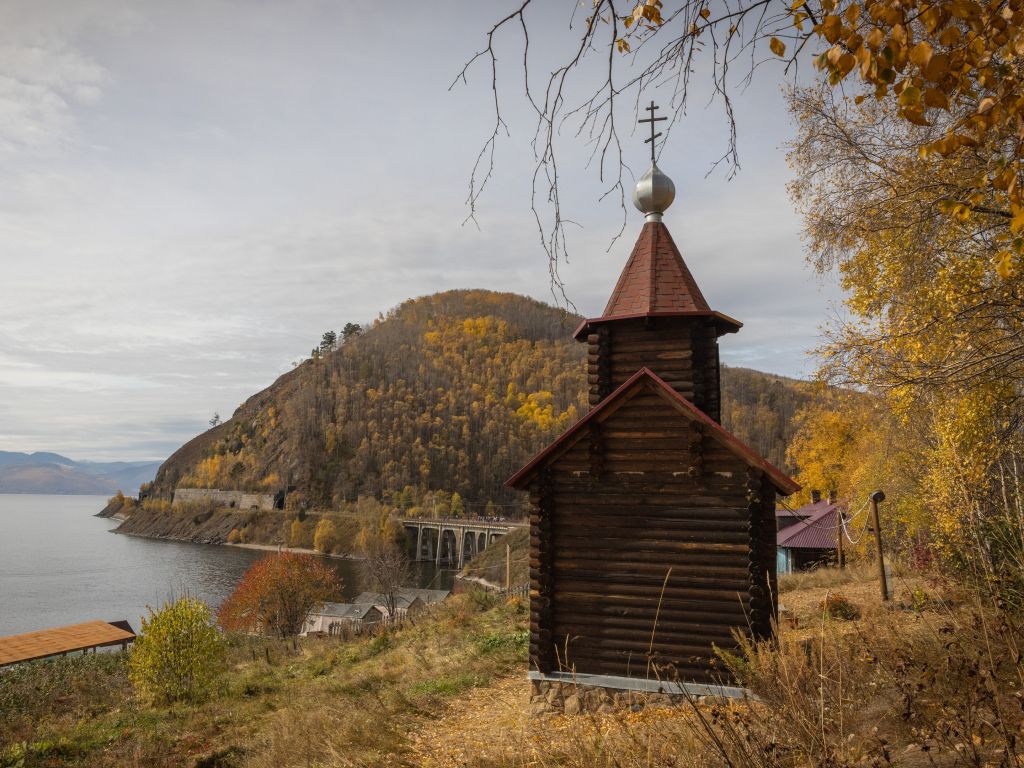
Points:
[(192, 192)]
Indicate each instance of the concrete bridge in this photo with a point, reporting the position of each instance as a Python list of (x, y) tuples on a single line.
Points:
[(451, 541)]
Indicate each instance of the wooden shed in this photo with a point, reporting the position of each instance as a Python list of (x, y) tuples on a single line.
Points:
[(652, 527)]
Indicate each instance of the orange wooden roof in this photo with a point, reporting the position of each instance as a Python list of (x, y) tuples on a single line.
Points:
[(50, 642), (657, 283)]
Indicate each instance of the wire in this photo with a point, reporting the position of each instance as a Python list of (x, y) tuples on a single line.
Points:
[(864, 528)]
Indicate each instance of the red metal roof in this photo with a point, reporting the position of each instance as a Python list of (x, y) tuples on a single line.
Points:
[(657, 283), (647, 378), (818, 530)]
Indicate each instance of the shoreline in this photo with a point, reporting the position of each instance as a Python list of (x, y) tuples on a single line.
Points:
[(298, 550), (263, 547)]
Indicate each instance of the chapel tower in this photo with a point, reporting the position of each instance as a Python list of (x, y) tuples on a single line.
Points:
[(652, 528), (657, 316)]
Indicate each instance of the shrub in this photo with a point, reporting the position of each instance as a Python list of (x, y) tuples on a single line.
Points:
[(325, 539), (837, 606), (277, 593), (179, 655)]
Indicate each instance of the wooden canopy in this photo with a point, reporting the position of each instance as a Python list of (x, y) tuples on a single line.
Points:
[(53, 642)]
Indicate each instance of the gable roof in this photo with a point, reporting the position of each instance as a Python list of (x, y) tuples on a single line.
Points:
[(657, 283), (402, 599), (646, 378), (345, 611), (816, 531)]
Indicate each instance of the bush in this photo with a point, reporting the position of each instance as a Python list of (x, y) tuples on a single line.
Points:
[(179, 655), (837, 606)]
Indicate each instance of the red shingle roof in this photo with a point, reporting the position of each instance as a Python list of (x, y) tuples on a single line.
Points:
[(657, 283), (655, 279), (647, 378)]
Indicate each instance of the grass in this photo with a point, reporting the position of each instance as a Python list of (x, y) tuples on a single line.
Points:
[(490, 564), (281, 703), (918, 681)]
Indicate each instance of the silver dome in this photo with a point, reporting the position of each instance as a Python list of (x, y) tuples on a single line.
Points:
[(654, 193)]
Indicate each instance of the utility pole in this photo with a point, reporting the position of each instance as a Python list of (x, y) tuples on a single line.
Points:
[(508, 567), (841, 532), (877, 498)]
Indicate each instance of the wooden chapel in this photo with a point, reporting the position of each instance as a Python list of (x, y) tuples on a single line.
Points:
[(652, 528)]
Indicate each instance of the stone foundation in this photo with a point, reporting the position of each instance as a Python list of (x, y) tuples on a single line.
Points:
[(573, 696)]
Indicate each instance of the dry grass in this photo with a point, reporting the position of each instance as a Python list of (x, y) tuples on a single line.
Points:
[(933, 678)]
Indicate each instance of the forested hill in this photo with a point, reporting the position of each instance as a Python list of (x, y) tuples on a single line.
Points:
[(450, 392)]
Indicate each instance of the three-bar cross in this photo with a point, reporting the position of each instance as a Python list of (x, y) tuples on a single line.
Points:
[(652, 120)]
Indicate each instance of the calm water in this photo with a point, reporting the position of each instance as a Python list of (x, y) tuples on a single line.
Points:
[(61, 565)]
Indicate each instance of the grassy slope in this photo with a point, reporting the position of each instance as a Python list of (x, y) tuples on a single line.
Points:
[(490, 564), (282, 704), (933, 678)]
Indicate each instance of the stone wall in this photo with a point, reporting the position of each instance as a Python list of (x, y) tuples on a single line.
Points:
[(550, 696), (235, 499)]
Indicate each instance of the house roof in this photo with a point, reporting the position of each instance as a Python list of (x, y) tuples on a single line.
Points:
[(427, 595), (645, 378), (402, 598), (346, 610), (816, 529), (657, 283)]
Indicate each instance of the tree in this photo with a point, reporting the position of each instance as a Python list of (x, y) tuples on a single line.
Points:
[(950, 66), (179, 654), (935, 322), (457, 509), (215, 420), (325, 539), (277, 593), (350, 331), (385, 567)]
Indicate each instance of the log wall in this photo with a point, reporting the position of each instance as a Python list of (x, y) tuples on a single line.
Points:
[(649, 542), (682, 351)]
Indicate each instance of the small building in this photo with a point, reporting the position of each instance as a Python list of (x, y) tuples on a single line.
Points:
[(652, 535), (428, 596), (337, 618), (808, 536), (406, 604)]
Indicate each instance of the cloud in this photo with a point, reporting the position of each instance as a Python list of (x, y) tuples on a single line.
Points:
[(41, 86)]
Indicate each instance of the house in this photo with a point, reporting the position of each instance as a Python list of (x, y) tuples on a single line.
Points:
[(406, 604), (652, 535), (428, 596), (809, 535), (336, 618)]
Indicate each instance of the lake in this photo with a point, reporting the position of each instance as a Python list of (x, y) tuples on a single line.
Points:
[(61, 565)]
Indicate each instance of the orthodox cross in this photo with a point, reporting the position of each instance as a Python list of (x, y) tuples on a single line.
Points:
[(652, 120)]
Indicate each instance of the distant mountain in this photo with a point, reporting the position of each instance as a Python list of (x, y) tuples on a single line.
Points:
[(44, 472)]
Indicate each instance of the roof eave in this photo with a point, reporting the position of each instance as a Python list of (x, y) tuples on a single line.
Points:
[(724, 323)]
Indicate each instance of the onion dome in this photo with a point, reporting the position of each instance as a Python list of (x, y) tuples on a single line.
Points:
[(654, 193)]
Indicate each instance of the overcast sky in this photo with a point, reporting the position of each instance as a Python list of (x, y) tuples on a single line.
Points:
[(192, 192)]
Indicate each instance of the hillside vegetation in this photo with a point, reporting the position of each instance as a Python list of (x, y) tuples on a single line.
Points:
[(932, 678), (453, 392)]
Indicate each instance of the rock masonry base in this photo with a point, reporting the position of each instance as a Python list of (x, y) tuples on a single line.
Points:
[(573, 695)]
